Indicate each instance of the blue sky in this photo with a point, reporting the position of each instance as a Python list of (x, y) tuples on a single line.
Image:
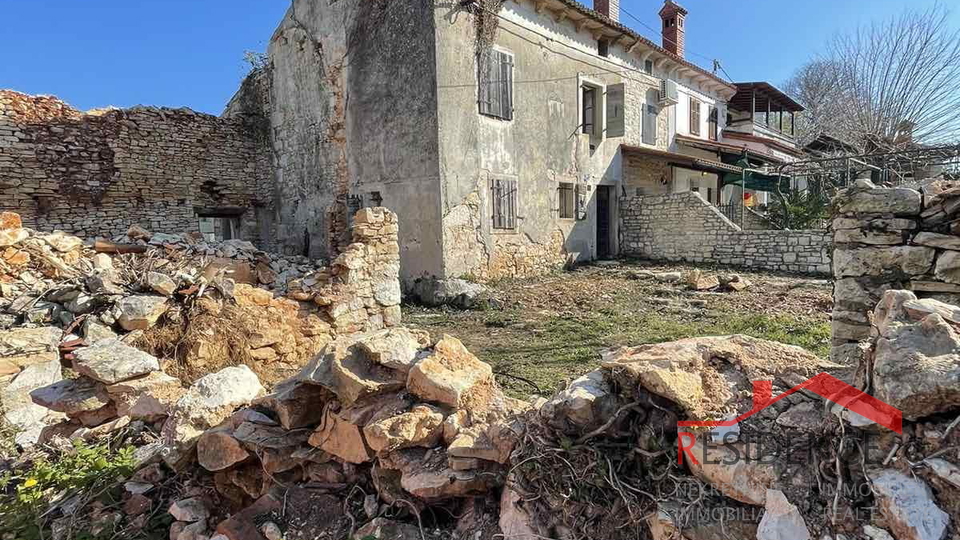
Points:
[(94, 53)]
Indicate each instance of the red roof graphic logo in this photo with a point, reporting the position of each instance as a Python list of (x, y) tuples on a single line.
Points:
[(824, 385)]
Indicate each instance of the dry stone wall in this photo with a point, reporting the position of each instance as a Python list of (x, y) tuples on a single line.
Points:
[(891, 238), (97, 173), (683, 227)]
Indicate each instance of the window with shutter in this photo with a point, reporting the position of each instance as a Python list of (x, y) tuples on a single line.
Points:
[(581, 202), (495, 78), (650, 113), (616, 126), (589, 108), (567, 200), (713, 124), (694, 117), (503, 195)]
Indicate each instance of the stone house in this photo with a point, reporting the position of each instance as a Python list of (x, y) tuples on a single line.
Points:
[(506, 135)]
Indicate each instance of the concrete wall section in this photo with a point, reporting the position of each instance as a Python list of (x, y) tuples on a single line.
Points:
[(96, 174), (683, 227)]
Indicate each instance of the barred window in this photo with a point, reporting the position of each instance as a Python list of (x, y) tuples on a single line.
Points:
[(504, 198), (496, 84)]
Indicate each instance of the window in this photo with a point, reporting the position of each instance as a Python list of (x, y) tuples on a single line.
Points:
[(650, 112), (616, 124), (694, 117), (712, 126), (496, 84), (504, 197), (567, 200), (648, 67), (603, 47), (589, 113)]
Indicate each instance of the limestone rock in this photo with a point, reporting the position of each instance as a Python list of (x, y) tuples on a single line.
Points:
[(948, 267), (897, 201), (12, 237), (916, 364), (297, 404), (905, 260), (18, 342), (95, 331), (586, 403), (141, 312), (699, 281), (421, 426), (734, 476), (516, 521), (161, 283), (19, 410), (454, 292), (10, 220), (218, 450), (111, 361), (148, 398), (72, 396), (861, 236), (452, 376), (940, 241), (908, 506), (919, 309), (429, 476), (341, 438), (395, 348), (781, 520), (190, 510), (945, 470), (493, 442), (344, 369), (62, 242)]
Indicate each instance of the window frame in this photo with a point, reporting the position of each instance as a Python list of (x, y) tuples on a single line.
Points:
[(695, 118), (567, 212), (713, 122), (599, 107), (506, 100), (504, 189)]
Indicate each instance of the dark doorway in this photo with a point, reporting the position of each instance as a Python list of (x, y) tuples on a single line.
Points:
[(603, 222)]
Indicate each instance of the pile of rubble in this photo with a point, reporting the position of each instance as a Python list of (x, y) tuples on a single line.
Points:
[(173, 303)]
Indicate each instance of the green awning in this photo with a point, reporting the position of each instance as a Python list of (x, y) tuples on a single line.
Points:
[(755, 180)]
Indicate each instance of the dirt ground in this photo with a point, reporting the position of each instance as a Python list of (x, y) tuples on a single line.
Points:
[(541, 332)]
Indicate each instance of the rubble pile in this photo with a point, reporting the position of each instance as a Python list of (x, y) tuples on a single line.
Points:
[(129, 321)]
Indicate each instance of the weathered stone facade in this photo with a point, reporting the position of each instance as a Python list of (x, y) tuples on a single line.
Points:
[(98, 173), (889, 239), (683, 227)]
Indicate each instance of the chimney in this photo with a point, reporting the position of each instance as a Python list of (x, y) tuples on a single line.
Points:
[(608, 8), (673, 16)]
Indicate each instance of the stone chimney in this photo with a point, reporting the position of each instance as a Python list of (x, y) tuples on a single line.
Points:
[(609, 8), (673, 16)]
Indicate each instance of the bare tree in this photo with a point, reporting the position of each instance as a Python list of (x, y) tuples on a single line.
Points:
[(888, 83)]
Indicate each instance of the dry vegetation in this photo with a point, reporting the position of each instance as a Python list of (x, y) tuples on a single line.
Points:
[(542, 331)]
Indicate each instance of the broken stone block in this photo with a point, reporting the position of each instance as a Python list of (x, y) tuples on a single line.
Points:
[(10, 220), (586, 403), (218, 450), (112, 361), (395, 348), (22, 342), (62, 242), (939, 241), (341, 438), (190, 510), (897, 201), (781, 520), (452, 376), (699, 281), (141, 312), (161, 283), (908, 506), (95, 331), (948, 267), (421, 426), (72, 396), (903, 260), (18, 408), (297, 404), (12, 237), (732, 474), (431, 478), (147, 398)]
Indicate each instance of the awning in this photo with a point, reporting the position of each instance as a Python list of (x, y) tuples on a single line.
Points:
[(754, 180), (683, 160)]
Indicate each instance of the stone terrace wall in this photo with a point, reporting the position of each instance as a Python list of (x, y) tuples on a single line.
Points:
[(97, 173), (888, 238), (684, 227)]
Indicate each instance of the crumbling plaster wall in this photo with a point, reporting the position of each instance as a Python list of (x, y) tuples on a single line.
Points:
[(684, 227), (541, 147), (98, 173), (352, 115)]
